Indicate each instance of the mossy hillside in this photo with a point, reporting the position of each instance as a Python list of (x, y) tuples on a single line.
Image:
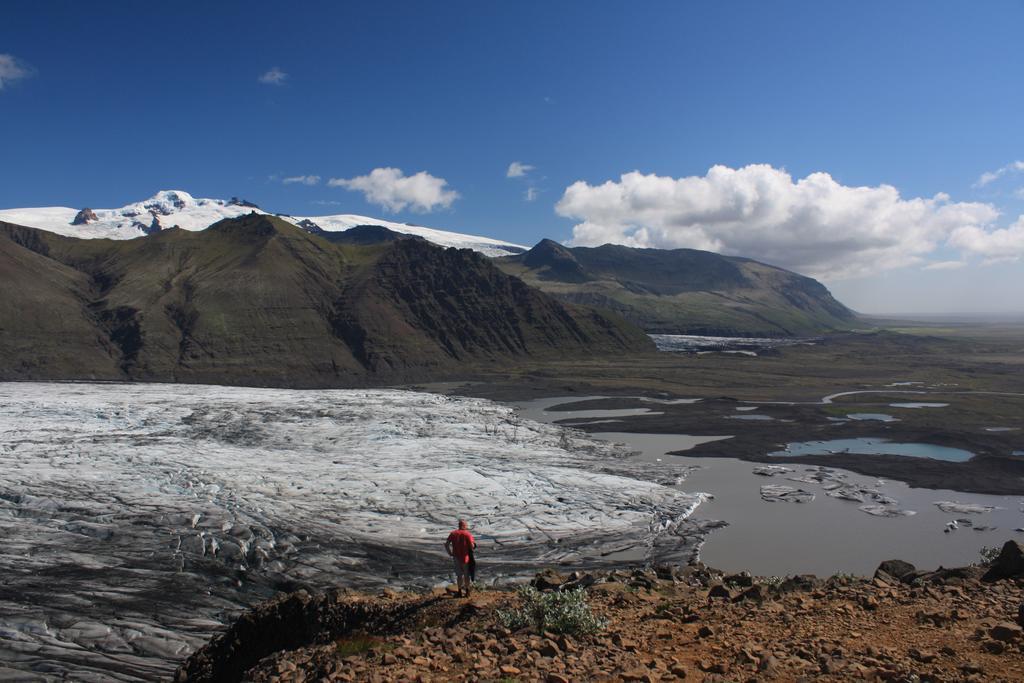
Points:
[(258, 300)]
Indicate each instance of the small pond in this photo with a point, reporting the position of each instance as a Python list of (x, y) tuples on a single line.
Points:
[(881, 417), (869, 446), (918, 405)]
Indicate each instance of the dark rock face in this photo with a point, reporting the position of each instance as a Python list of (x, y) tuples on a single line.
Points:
[(1008, 564), (310, 227), (84, 216), (286, 623), (235, 201), (368, 234), (154, 225), (256, 300)]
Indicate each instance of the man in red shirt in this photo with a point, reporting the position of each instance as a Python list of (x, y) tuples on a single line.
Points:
[(460, 545)]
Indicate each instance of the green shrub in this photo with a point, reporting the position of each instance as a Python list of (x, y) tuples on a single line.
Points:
[(565, 612), (988, 554)]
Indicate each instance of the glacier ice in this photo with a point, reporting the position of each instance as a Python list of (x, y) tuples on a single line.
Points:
[(138, 518)]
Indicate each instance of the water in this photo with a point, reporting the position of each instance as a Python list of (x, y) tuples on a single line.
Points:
[(759, 418), (881, 417), (691, 343), (869, 446), (827, 535), (918, 405)]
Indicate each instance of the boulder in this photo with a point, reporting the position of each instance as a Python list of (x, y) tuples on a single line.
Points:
[(801, 582), (897, 569), (1007, 632), (743, 579), (719, 591), (1009, 563), (548, 580)]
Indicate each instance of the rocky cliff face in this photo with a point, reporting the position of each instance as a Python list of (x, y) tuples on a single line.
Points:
[(255, 300)]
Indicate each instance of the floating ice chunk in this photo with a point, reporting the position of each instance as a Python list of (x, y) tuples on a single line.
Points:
[(957, 507), (885, 511), (771, 470), (776, 493)]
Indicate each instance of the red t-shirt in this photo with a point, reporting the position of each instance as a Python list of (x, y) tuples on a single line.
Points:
[(462, 542)]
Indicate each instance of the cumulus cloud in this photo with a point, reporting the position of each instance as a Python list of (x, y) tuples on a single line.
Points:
[(393, 190), (12, 69), (301, 179), (274, 77), (995, 245), (517, 169), (813, 225), (944, 265), (991, 176)]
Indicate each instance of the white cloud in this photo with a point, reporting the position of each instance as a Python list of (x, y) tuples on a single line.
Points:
[(12, 70), (992, 176), (302, 179), (518, 170), (813, 225), (531, 194), (995, 245), (393, 190), (944, 265), (274, 77)]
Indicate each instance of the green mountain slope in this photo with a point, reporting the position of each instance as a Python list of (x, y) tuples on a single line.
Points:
[(683, 291), (256, 300)]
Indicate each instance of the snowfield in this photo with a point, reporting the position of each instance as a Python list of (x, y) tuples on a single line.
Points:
[(138, 518), (176, 208)]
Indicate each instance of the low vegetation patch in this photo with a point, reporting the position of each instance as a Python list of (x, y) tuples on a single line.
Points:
[(559, 612), (357, 644)]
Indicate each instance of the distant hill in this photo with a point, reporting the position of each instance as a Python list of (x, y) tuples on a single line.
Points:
[(257, 300), (683, 291)]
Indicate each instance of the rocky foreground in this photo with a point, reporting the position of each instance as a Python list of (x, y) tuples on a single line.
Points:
[(693, 623)]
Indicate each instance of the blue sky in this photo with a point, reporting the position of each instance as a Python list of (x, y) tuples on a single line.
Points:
[(104, 104)]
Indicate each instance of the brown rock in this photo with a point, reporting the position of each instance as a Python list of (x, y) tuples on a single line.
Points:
[(548, 648), (547, 580), (719, 591), (1006, 631)]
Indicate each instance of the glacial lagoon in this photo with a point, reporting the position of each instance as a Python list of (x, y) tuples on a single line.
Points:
[(848, 523)]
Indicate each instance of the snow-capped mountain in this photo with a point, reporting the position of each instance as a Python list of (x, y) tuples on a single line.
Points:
[(175, 208)]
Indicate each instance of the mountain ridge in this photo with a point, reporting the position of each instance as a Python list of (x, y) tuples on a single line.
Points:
[(256, 300)]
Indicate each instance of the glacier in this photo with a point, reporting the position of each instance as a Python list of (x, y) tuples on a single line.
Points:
[(177, 208), (139, 518)]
